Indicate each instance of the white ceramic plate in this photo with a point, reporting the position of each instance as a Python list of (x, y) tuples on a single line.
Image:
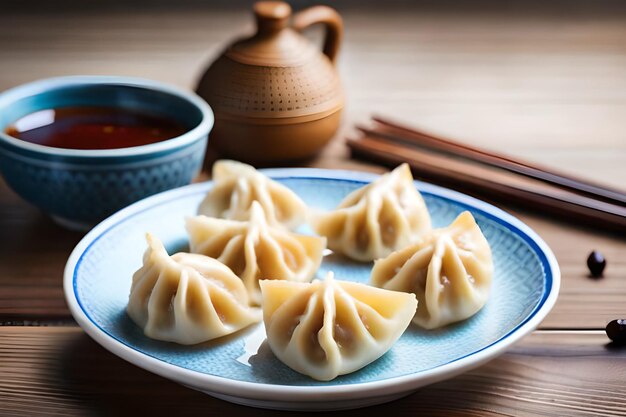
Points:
[(240, 368)]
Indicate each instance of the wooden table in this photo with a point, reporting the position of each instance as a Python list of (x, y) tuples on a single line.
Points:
[(546, 83)]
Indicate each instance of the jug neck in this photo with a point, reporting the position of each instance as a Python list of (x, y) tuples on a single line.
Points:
[(271, 17)]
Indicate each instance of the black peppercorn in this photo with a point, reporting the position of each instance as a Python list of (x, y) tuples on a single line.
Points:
[(596, 264), (616, 331)]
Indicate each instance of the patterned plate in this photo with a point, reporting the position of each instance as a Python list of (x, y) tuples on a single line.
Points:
[(241, 368)]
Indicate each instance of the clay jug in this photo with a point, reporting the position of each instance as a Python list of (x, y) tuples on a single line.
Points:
[(275, 95)]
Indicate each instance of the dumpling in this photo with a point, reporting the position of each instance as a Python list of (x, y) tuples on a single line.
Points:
[(187, 298), (255, 250), (237, 185), (377, 219), (450, 272), (330, 328)]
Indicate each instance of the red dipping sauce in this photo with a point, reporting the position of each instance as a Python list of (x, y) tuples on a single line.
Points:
[(94, 128)]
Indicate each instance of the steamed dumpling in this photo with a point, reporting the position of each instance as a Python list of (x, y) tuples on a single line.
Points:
[(377, 219), (450, 272), (237, 185), (255, 250), (187, 298), (330, 328)]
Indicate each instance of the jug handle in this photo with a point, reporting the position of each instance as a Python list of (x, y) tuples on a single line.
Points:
[(331, 20)]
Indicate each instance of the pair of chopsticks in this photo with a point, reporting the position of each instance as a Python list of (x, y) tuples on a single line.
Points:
[(492, 175)]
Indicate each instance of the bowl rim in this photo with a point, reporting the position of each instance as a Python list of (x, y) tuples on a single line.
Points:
[(39, 86)]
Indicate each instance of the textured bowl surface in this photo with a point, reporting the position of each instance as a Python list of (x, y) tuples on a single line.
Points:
[(81, 187), (242, 369)]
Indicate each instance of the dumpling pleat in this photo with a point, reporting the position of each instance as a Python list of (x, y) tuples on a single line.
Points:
[(306, 336), (413, 273), (371, 226), (393, 224), (189, 315), (143, 285), (240, 198), (229, 254), (160, 305), (289, 317), (200, 306), (354, 232), (226, 309), (351, 331), (326, 335), (271, 258), (377, 326)]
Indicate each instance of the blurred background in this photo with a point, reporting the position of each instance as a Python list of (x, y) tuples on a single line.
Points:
[(536, 79)]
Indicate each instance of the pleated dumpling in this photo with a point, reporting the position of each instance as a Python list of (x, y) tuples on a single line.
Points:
[(255, 250), (187, 298), (377, 219), (330, 328), (237, 185), (450, 272)]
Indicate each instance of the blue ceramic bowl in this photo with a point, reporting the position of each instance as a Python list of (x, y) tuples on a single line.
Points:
[(79, 188)]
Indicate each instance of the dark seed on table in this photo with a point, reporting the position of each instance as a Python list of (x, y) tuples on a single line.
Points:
[(596, 264), (616, 331)]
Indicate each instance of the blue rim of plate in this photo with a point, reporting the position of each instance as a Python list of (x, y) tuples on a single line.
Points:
[(261, 391)]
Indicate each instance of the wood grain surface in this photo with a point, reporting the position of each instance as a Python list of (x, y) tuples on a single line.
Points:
[(545, 84), (61, 370)]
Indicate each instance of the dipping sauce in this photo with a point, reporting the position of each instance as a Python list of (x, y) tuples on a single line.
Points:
[(94, 128)]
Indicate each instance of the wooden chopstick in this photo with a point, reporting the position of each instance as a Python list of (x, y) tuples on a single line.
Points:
[(482, 181), (400, 133)]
